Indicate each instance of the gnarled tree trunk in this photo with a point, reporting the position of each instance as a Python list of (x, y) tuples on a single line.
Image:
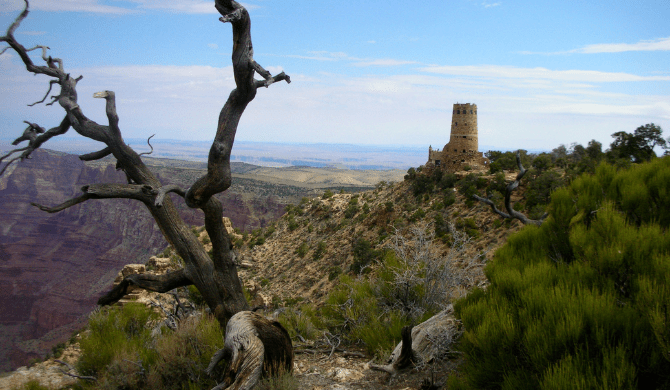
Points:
[(216, 278)]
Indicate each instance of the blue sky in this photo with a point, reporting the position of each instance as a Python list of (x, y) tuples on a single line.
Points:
[(542, 73)]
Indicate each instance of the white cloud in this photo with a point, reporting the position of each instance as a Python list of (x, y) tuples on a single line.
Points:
[(63, 5), (184, 6), (489, 5), (183, 102), (341, 56), (178, 6), (660, 44), (497, 71), (213, 45), (384, 62), (320, 56)]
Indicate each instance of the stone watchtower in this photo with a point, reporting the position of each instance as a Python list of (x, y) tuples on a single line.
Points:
[(463, 146)]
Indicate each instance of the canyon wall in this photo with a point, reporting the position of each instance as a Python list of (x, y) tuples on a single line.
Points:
[(53, 267)]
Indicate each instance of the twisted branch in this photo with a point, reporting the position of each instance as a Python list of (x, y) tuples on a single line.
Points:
[(51, 84), (160, 196), (88, 378), (140, 192), (511, 213), (96, 155), (148, 143), (218, 177)]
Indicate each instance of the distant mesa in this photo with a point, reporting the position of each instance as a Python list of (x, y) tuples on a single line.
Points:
[(463, 147)]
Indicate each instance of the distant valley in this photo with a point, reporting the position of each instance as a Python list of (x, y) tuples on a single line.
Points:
[(268, 154)]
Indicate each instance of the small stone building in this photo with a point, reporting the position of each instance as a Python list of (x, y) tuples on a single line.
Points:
[(463, 147)]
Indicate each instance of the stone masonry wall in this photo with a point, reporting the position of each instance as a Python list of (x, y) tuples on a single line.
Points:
[(463, 146)]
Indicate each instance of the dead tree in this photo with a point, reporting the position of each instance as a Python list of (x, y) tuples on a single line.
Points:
[(216, 278), (425, 343), (511, 213)]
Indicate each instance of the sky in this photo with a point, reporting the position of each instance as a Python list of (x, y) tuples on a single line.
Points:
[(542, 73)]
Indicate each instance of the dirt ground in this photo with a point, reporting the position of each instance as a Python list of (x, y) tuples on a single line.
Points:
[(343, 372)]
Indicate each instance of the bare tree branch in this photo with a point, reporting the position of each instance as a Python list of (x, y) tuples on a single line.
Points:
[(12, 160), (140, 192), (511, 213), (166, 190), (148, 143), (96, 155), (88, 378), (34, 141), (218, 177), (30, 133), (51, 84)]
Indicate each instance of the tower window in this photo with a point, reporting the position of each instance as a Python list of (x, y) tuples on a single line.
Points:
[(463, 136), (463, 150), (455, 123), (458, 111)]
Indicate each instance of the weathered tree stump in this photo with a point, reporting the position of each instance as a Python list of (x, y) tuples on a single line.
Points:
[(427, 342), (254, 345)]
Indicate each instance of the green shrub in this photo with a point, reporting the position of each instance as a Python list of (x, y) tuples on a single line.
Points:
[(364, 254), (57, 350), (195, 296), (359, 308), (352, 208), (297, 323), (115, 332), (327, 194), (581, 301), (449, 198), (302, 249), (441, 226), (292, 224), (121, 353), (33, 384), (319, 251), (409, 284), (437, 206), (283, 381), (469, 185), (185, 354), (418, 215)]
